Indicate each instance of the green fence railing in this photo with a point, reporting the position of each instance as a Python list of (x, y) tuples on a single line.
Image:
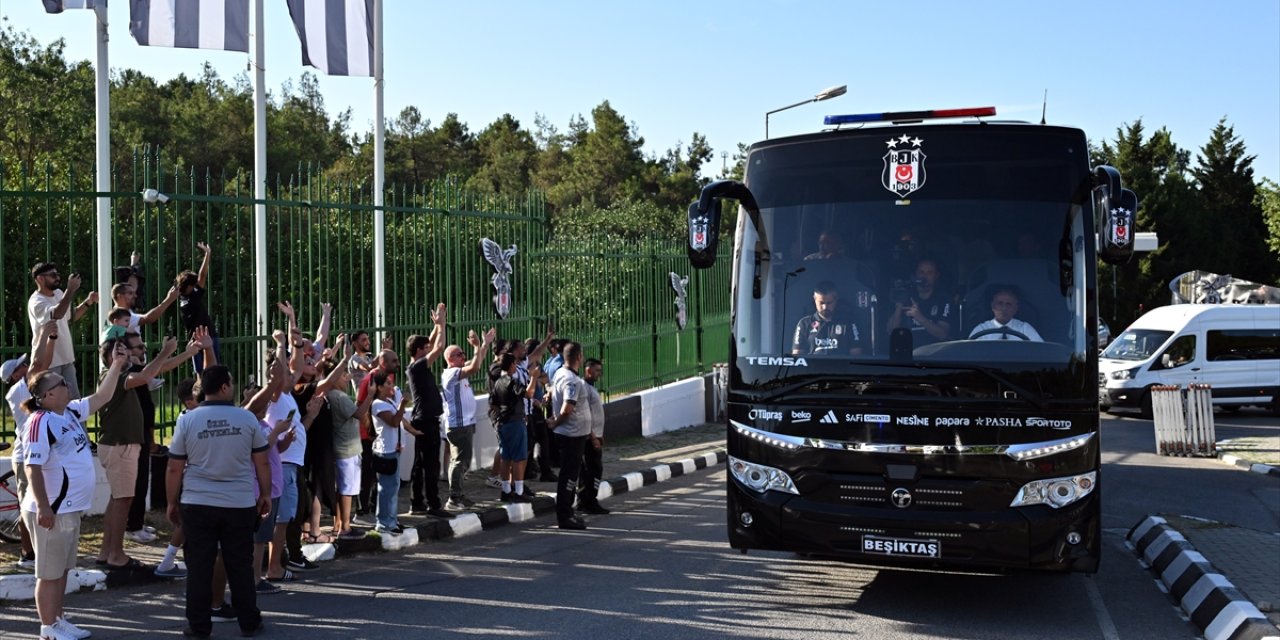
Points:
[(612, 294)]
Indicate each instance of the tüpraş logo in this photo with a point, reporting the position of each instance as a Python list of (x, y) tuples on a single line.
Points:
[(761, 414), (778, 361)]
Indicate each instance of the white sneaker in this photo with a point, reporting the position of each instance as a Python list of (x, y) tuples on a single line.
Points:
[(141, 535), (494, 482), (53, 632), (65, 626)]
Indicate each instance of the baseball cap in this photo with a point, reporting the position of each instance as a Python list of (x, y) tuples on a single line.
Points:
[(9, 366)]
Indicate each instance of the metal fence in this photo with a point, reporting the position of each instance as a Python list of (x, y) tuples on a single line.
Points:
[(612, 294)]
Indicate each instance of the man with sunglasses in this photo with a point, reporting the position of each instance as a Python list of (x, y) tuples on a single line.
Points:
[(50, 304)]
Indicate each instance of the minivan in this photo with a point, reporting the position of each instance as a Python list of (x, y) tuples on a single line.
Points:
[(1234, 348)]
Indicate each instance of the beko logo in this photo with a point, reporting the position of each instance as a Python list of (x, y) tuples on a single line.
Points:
[(1045, 422), (777, 361), (801, 416), (761, 414)]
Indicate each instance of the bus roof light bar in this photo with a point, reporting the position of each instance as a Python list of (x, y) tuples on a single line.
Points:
[(898, 116)]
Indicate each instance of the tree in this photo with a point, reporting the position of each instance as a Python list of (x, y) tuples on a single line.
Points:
[(507, 154), (1269, 202), (1228, 204), (47, 112)]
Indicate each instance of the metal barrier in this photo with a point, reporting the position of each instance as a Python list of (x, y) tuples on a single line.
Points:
[(1183, 420)]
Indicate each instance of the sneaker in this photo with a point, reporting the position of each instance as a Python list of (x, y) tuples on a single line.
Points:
[(53, 632), (521, 497), (529, 493), (351, 534), (417, 509), (27, 562), (65, 626), (440, 513), (573, 524), (303, 565), (506, 496), (395, 531), (493, 481), (177, 570), (146, 527), (225, 613), (265, 587), (363, 520), (141, 535)]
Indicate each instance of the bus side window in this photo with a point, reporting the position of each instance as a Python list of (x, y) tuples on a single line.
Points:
[(1181, 352)]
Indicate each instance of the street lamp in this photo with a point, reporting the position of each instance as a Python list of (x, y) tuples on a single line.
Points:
[(825, 94)]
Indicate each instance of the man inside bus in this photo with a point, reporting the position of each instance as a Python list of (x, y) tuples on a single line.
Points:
[(830, 246), (1004, 326), (827, 331), (925, 310)]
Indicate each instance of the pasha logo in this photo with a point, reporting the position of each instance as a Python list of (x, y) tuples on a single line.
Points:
[(903, 165)]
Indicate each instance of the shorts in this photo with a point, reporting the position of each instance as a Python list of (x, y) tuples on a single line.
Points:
[(513, 442), (120, 463), (349, 476), (267, 527), (288, 497), (55, 548)]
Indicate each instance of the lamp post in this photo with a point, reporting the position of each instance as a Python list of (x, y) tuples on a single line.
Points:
[(825, 94)]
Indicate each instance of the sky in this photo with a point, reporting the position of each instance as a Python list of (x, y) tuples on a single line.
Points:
[(716, 67)]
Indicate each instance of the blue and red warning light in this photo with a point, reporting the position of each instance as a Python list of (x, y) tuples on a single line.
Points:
[(900, 116)]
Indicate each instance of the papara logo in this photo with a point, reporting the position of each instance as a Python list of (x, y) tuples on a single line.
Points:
[(777, 361)]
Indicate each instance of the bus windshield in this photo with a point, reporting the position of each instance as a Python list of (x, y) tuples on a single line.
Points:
[(981, 258)]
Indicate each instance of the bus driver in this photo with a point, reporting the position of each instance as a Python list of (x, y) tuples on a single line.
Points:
[(826, 331)]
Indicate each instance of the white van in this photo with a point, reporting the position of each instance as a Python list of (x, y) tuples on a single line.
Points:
[(1235, 348)]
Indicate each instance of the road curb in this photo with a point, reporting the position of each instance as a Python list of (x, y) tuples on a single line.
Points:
[(1212, 603), (21, 587), (1249, 465)]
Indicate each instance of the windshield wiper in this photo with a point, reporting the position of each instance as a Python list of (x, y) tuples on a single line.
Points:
[(1031, 398), (788, 388)]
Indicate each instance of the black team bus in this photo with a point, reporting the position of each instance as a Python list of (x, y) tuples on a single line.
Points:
[(914, 370)]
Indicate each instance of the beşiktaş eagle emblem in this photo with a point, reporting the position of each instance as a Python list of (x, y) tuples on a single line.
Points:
[(679, 285), (501, 260)]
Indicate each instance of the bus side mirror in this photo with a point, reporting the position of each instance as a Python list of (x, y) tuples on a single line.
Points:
[(1115, 209), (704, 233)]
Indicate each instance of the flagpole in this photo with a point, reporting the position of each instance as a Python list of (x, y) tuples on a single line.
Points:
[(379, 215), (259, 175), (102, 180)]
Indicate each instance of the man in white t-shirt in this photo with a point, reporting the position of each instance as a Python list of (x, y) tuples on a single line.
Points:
[(1004, 326), (124, 296), (460, 411), (48, 303)]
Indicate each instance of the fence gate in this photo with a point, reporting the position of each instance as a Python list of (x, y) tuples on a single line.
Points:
[(1184, 420)]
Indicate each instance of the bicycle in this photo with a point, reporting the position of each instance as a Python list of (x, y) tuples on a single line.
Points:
[(10, 505)]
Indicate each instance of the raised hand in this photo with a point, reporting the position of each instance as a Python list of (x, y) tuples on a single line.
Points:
[(278, 336), (73, 283), (473, 339), (490, 335), (202, 338), (203, 247), (438, 315), (388, 343), (285, 308), (172, 295), (326, 308), (92, 298), (170, 345)]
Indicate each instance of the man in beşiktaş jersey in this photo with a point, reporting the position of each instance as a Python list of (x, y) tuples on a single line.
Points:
[(826, 331)]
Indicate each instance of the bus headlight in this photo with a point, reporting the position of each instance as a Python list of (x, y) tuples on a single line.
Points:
[(1056, 492), (761, 478)]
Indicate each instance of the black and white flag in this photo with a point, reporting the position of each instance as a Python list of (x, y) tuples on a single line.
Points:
[(58, 6), (191, 24), (336, 35)]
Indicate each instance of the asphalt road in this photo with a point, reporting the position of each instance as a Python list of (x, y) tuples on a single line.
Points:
[(660, 568)]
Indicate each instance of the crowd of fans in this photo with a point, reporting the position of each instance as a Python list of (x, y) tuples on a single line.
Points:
[(253, 468)]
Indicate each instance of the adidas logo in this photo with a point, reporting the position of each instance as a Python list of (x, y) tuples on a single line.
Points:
[(830, 418)]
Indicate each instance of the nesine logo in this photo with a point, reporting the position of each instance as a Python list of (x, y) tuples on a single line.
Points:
[(777, 361)]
